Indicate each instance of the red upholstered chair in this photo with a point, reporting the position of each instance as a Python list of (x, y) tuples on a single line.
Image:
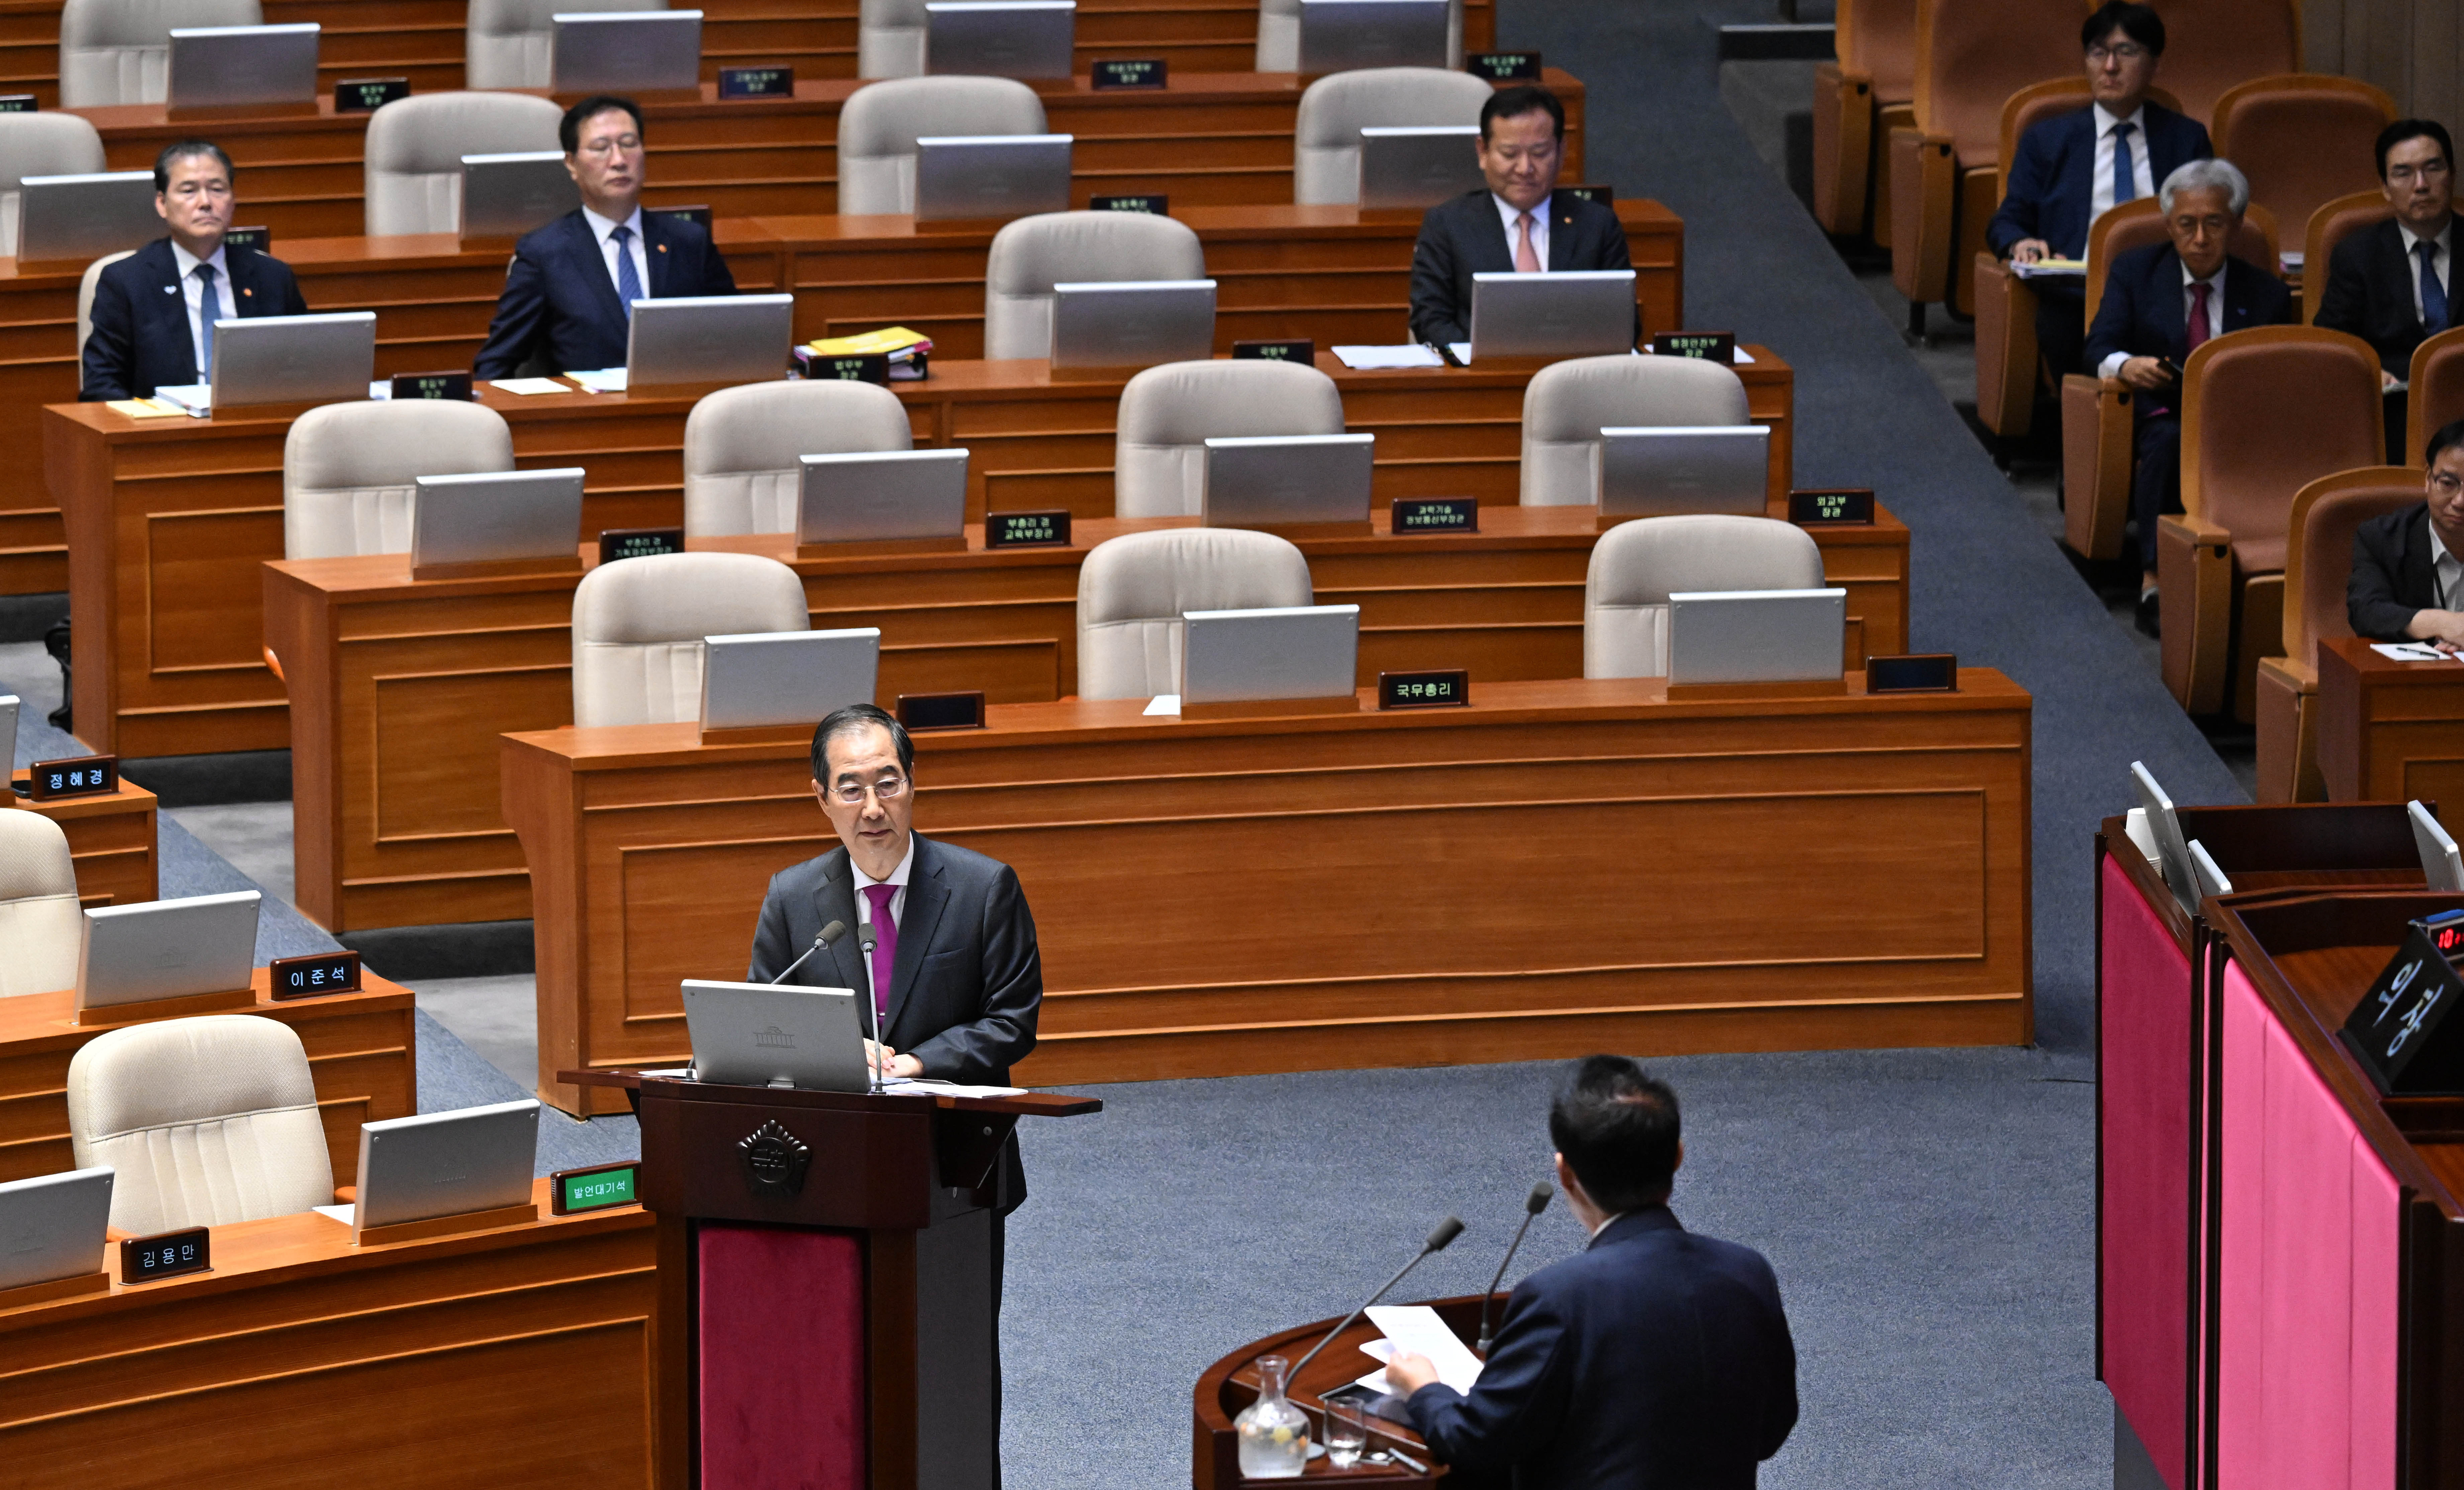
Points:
[(1858, 101), (2438, 396), (2304, 140), (2264, 413), (2330, 225), (2316, 565)]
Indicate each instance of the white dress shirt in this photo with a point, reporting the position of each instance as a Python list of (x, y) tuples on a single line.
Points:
[(193, 290), (2142, 180), (897, 901), (1512, 215), (2111, 366), (605, 230), (2448, 570), (2439, 264)]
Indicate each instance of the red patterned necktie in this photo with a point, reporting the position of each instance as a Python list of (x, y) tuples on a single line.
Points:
[(2198, 315)]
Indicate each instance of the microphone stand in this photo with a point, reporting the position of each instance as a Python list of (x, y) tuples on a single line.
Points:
[(866, 941), (1448, 1230), (820, 940), (1537, 1203)]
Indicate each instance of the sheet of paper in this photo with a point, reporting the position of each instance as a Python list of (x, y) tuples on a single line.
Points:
[(931, 1087), (2052, 268), (145, 409), (1162, 704), (527, 386), (607, 379), (1415, 1327), (381, 390), (340, 1213), (1741, 357), (680, 1073), (1361, 359), (2292, 259), (2411, 651), (1461, 351), (197, 397)]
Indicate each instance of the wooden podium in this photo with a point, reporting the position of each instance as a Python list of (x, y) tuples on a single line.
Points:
[(825, 1310)]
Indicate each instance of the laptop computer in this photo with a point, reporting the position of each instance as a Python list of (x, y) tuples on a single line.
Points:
[(726, 339), (2440, 863), (1259, 481), (1756, 636), (496, 515), (1419, 167), (242, 66), (624, 50), (776, 1035), (1662, 471), (1132, 323), (416, 1169), (51, 1226), (2173, 852), (866, 496), (293, 358), (760, 679), (1294, 651), (2210, 880), (9, 706), (1339, 36), (1000, 38), (508, 194), (1572, 313), (166, 948), (971, 176), (85, 216)]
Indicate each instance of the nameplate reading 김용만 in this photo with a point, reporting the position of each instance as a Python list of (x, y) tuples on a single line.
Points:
[(1155, 203), (1712, 346), (433, 386), (1500, 67), (82, 775), (1043, 528), (1289, 349), (757, 82), (165, 1254), (2401, 1031), (1599, 196), (1436, 515), (18, 104), (1442, 688), (597, 1188), (615, 543), (367, 95), (1127, 73), (1840, 507), (960, 710), (317, 973), (1917, 672)]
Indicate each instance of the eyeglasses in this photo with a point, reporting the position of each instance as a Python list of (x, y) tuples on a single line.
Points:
[(2405, 175), (887, 789), (2445, 483), (2126, 51)]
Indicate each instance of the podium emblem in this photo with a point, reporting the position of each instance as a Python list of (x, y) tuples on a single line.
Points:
[(774, 1160)]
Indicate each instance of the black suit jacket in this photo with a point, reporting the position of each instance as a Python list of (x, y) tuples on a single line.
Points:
[(1653, 1360), (2052, 176), (2370, 295), (1465, 238), (968, 982), (2142, 311), (560, 301), (2393, 574), (141, 339)]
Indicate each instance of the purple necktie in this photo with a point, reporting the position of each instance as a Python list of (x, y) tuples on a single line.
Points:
[(885, 947)]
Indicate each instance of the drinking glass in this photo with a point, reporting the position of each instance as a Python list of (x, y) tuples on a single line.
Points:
[(1347, 1432)]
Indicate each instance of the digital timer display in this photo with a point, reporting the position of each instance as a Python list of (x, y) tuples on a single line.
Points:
[(84, 777), (598, 1188), (144, 1259)]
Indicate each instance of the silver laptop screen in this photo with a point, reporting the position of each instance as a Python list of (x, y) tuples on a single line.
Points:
[(1000, 176), (51, 1226), (877, 495), (1573, 312), (239, 66), (85, 216), (725, 339), (1419, 167), (1257, 481), (1297, 651), (1132, 323), (1757, 636), (506, 195), (166, 948), (777, 1035), (624, 50), (294, 358), (761, 679), (1000, 38), (413, 1169), (1661, 472), (1340, 35), (496, 515)]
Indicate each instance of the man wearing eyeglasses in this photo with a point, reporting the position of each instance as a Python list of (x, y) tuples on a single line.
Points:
[(2388, 284), (2407, 578)]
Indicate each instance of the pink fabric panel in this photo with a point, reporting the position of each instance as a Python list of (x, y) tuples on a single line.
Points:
[(783, 1358), (2240, 1281), (2378, 1219), (2143, 1210)]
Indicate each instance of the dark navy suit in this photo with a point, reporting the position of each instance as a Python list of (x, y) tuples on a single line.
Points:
[(1466, 235), (2393, 574), (2370, 285), (559, 303), (1654, 1360), (141, 339)]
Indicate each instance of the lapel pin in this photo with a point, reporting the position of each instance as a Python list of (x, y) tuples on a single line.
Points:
[(170, 288), (663, 248), (247, 292)]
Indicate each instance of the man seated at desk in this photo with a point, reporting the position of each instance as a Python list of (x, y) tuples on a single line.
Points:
[(2407, 578), (154, 311), (1519, 223), (569, 293)]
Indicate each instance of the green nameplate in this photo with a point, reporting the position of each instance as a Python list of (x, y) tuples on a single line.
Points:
[(1136, 73), (1842, 507), (1712, 346), (367, 95), (1298, 350), (1504, 67), (571, 1191)]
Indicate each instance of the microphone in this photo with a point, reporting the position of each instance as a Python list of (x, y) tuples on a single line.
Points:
[(1448, 1230), (829, 932), (1532, 1205), (866, 940)]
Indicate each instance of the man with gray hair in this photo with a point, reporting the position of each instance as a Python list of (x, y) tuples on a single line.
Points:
[(2164, 302)]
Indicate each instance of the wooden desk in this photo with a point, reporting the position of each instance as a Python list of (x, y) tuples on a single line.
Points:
[(1894, 829), (172, 516), (399, 687), (111, 841), (1227, 1388), (2389, 730), (360, 1052), (516, 1356)]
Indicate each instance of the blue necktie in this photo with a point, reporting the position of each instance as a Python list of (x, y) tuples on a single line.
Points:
[(208, 308), (628, 284), (2126, 183), (2433, 294)]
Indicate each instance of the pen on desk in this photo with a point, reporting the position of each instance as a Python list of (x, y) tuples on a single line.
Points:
[(1445, 353), (1407, 1461)]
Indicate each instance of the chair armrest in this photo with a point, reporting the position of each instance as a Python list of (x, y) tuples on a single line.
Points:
[(1843, 147), (2194, 589), (2006, 349), (2097, 464), (1925, 180)]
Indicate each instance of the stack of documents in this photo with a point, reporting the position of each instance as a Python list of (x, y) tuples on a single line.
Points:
[(902, 344), (1416, 1328), (1409, 355), (2052, 268)]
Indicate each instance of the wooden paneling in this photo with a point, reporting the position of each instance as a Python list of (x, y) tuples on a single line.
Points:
[(1152, 850), (111, 841), (2389, 730)]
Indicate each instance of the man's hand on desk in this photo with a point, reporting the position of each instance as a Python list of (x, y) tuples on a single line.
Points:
[(2028, 250), (2147, 374), (1410, 1373), (2443, 629), (891, 1062)]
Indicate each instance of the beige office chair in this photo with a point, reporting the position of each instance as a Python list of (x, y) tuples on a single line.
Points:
[(1326, 138), (1567, 404), (1031, 254), (1636, 566), (85, 296), (39, 924), (348, 470), (878, 127), (638, 625), (889, 38), (1279, 37), (40, 144), (415, 148), (210, 1120), (1168, 414), (742, 446), (120, 51), (506, 43), (1132, 590)]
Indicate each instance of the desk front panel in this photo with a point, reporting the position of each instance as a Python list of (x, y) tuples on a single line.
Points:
[(2389, 730), (1847, 872)]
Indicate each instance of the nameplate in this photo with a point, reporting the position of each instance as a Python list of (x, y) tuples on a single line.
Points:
[(318, 973), (433, 386), (81, 775), (1842, 507), (615, 543), (696, 214), (1154, 202), (1604, 196), (1442, 688), (1131, 73), (18, 104), (1712, 346), (1027, 530), (959, 711), (864, 367), (2401, 1031), (1436, 515), (600, 1187), (165, 1254), (757, 82), (1504, 67), (367, 95), (1917, 672), (1287, 350)]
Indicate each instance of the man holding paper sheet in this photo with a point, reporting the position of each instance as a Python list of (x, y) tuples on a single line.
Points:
[(2407, 578), (1654, 1358), (568, 295)]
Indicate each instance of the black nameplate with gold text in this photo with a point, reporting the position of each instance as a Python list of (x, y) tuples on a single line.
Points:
[(1604, 196), (615, 543), (367, 95), (433, 386), (165, 1254), (81, 776), (317, 973), (696, 214), (1436, 515), (1301, 350), (1711, 346), (757, 82), (862, 367), (1040, 529), (1841, 507), (18, 103), (1444, 688), (963, 710), (1916, 673), (2403, 1031), (1504, 67), (1152, 202), (1127, 73)]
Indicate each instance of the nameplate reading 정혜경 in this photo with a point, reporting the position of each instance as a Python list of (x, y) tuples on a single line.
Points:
[(757, 82), (615, 543), (1500, 67), (1845, 507), (1289, 349), (367, 95), (597, 1188), (165, 1254), (317, 973), (2401, 1031), (433, 386), (1444, 688), (1027, 530), (83, 776), (1155, 203), (1436, 515), (1130, 72)]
